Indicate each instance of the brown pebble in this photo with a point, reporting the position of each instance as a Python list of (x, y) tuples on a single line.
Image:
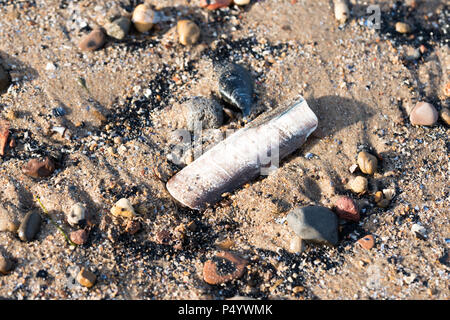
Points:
[(4, 136), (94, 40), (224, 267), (402, 27), (367, 242), (214, 4), (133, 226), (188, 32), (6, 265), (346, 209), (39, 168), (86, 278), (447, 89), (367, 163), (79, 237), (358, 185), (445, 115), (423, 114), (163, 237), (383, 203)]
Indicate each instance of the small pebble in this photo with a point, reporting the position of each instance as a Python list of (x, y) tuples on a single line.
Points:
[(241, 2), (5, 80), (30, 226), (204, 112), (367, 163), (402, 27), (358, 185), (188, 32), (118, 28), (77, 215), (224, 267), (132, 226), (94, 40), (341, 10), (86, 278), (314, 223), (346, 209), (143, 18), (297, 245), (163, 237), (367, 242), (215, 4), (353, 168), (419, 231), (4, 136), (445, 115), (423, 114), (6, 265), (9, 219), (39, 168), (123, 208), (79, 236)]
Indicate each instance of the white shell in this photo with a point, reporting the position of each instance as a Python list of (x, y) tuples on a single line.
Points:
[(77, 214)]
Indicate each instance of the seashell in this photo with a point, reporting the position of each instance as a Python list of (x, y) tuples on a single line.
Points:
[(235, 86), (423, 114), (143, 18), (241, 157)]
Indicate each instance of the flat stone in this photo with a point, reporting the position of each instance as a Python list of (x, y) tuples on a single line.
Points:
[(86, 278), (224, 267), (94, 40), (79, 237), (118, 28), (423, 114), (5, 80), (314, 223), (367, 242), (346, 209), (39, 168), (30, 226)]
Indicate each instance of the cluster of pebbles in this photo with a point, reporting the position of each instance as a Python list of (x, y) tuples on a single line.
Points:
[(313, 224)]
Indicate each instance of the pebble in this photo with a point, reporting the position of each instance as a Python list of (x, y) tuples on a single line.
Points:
[(445, 115), (314, 223), (118, 28), (188, 32), (367, 163), (241, 2), (79, 237), (341, 10), (30, 226), (94, 40), (5, 80), (402, 27), (4, 136), (86, 278), (77, 215), (6, 265), (423, 114), (224, 267), (297, 245), (358, 184), (419, 231), (143, 17), (123, 208), (9, 219), (39, 168), (346, 209), (132, 226), (204, 112), (215, 4), (367, 242)]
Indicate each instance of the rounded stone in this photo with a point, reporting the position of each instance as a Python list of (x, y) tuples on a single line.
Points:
[(445, 115), (367, 163), (10, 218), (30, 226), (118, 28), (402, 27), (358, 184), (203, 112), (5, 80), (86, 278), (224, 267), (79, 237), (314, 223), (123, 208), (188, 32), (77, 215), (94, 40), (423, 114), (39, 168), (346, 209), (6, 265), (143, 17)]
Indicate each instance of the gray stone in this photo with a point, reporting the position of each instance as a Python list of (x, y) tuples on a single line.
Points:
[(203, 111), (314, 223), (30, 226), (118, 28), (10, 217)]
